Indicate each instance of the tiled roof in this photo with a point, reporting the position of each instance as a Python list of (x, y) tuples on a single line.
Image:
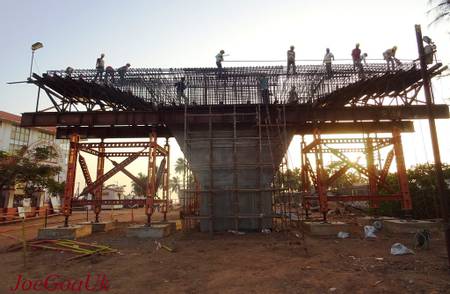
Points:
[(13, 118)]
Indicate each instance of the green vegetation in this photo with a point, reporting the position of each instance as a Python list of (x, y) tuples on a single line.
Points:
[(31, 168)]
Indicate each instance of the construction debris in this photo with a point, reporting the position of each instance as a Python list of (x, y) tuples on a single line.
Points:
[(82, 249), (400, 249), (343, 235), (369, 232)]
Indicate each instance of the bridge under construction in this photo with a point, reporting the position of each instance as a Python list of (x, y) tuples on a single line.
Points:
[(233, 140)]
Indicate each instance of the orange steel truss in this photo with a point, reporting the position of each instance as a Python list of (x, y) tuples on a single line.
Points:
[(156, 175), (316, 181)]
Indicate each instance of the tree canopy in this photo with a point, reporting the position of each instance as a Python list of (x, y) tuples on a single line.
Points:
[(31, 168)]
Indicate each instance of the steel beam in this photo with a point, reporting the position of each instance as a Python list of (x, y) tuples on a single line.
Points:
[(295, 114), (303, 128)]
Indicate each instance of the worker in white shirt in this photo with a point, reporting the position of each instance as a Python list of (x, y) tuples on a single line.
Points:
[(327, 61), (100, 67), (219, 58), (391, 60)]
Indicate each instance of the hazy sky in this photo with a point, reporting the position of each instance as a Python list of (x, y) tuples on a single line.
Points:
[(189, 34)]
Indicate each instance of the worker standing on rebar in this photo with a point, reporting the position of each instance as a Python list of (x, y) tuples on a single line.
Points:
[(356, 57), (391, 60), (109, 73), (122, 71), (327, 61), (219, 59), (100, 67), (180, 86), (291, 61), (263, 84)]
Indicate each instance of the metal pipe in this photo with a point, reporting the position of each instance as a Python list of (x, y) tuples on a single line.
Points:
[(441, 188), (31, 65)]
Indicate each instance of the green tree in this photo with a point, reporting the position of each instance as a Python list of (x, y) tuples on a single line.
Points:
[(291, 179), (31, 168), (422, 186), (347, 180), (138, 190), (175, 184), (180, 165)]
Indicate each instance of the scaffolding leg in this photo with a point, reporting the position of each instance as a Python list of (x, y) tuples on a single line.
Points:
[(321, 185), (401, 171), (151, 184), (100, 171), (166, 177), (70, 178), (373, 191)]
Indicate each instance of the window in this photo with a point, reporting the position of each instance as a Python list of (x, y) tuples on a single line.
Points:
[(46, 137), (19, 137)]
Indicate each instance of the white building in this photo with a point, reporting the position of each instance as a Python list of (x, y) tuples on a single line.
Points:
[(13, 138), (113, 192)]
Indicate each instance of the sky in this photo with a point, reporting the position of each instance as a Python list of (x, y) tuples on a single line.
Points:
[(176, 33)]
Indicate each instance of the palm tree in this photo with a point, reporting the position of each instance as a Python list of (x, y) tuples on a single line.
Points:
[(180, 165), (138, 190), (175, 184), (440, 10)]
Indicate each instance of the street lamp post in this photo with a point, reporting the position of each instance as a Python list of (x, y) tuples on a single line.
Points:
[(34, 47)]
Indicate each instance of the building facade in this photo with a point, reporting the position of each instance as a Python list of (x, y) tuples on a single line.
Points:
[(12, 138)]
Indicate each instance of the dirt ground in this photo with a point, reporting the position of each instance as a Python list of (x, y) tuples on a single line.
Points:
[(277, 262)]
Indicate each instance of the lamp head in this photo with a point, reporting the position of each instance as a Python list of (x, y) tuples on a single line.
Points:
[(36, 46), (427, 40)]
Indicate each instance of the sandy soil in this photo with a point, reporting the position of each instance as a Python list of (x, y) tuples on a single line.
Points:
[(251, 263)]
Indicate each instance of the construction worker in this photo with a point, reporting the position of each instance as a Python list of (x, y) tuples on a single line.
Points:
[(69, 72), (429, 49), (180, 86), (356, 57), (263, 84), (391, 60), (291, 60), (100, 67), (327, 59), (219, 59), (293, 96), (122, 71), (361, 66), (109, 73), (363, 58)]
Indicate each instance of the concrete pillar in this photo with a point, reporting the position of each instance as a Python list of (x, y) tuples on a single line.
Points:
[(215, 167)]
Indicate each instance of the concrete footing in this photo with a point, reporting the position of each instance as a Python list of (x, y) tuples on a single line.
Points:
[(172, 225), (155, 231), (325, 229), (100, 226), (71, 232), (368, 220), (399, 226)]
